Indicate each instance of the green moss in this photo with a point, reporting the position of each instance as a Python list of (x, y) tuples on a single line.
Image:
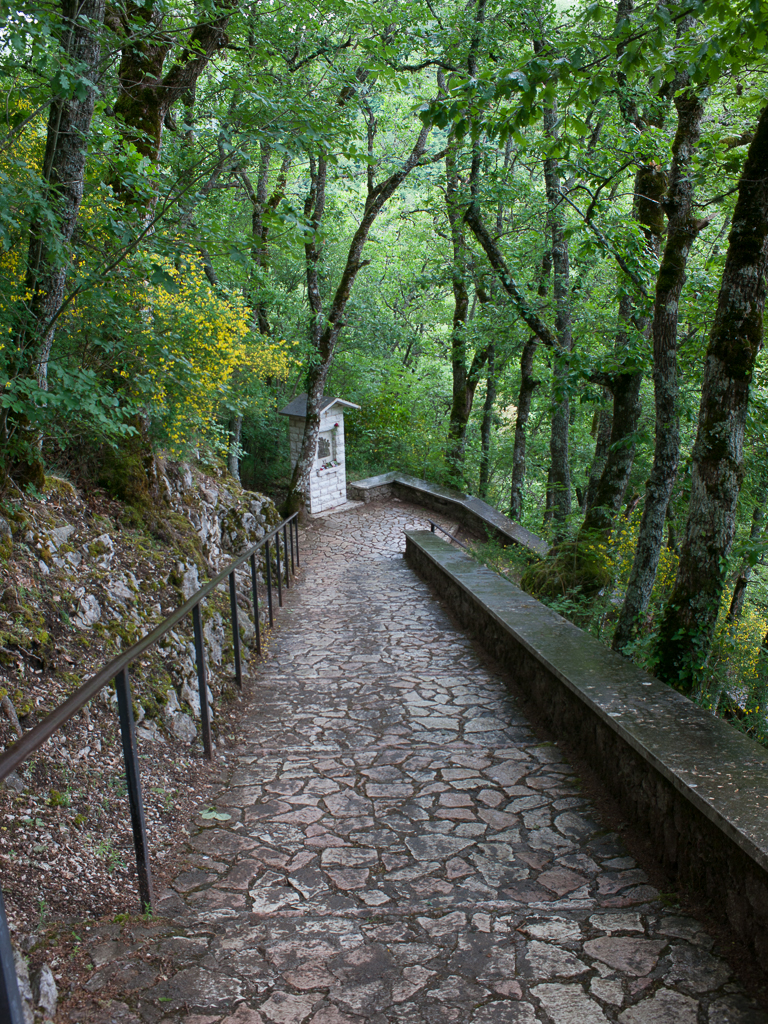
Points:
[(123, 473), (31, 616), (58, 486), (126, 629), (155, 699), (22, 703), (18, 518), (574, 568)]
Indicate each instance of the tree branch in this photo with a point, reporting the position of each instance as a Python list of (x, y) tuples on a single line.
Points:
[(495, 258)]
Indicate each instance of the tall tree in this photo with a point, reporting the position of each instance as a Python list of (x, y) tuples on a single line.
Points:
[(49, 257), (624, 383), (682, 229), (465, 373), (685, 633), (486, 426), (326, 327), (745, 569), (559, 484)]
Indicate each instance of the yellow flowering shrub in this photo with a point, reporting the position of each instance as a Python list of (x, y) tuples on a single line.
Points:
[(204, 354), (620, 553), (21, 162)]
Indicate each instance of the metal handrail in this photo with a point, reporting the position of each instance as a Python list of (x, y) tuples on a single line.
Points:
[(117, 671), (436, 526)]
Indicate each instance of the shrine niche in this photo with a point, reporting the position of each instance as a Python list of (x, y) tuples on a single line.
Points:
[(328, 476)]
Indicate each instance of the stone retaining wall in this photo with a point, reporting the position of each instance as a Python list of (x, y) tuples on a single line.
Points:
[(696, 785), (476, 515)]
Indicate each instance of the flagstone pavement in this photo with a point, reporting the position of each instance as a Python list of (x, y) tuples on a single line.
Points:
[(399, 846)]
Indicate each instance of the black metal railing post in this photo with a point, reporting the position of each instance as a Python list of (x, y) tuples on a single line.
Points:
[(256, 622), (296, 525), (287, 559), (133, 781), (235, 630), (280, 570), (293, 561), (11, 1009), (202, 682), (269, 583)]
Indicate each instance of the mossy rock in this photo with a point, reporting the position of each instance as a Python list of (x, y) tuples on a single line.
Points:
[(58, 486)]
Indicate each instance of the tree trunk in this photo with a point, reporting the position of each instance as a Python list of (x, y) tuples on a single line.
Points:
[(681, 232), (685, 635), (527, 386), (259, 240), (560, 477), (146, 95), (465, 378), (503, 273), (463, 392), (487, 425), (259, 230), (745, 571), (648, 193), (762, 662), (603, 430), (233, 458), (610, 489), (649, 188)]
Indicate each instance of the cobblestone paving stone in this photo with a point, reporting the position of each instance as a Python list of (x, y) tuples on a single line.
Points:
[(399, 845)]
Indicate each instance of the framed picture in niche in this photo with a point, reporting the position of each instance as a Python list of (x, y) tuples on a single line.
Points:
[(325, 446)]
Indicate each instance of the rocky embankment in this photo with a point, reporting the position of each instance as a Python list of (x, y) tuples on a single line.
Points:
[(83, 577)]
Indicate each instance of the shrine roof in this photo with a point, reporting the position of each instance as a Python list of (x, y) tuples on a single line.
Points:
[(298, 407)]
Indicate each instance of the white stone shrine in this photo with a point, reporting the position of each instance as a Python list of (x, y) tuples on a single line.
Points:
[(328, 475)]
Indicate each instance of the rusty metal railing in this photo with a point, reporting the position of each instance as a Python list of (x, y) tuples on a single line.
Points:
[(436, 526), (117, 671)]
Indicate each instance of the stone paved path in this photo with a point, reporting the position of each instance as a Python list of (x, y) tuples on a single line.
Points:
[(399, 846)]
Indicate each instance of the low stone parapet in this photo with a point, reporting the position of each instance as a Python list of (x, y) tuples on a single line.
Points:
[(476, 515), (697, 786)]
